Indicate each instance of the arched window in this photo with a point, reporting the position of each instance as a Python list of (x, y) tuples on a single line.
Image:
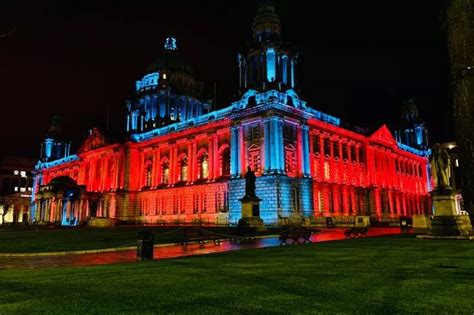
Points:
[(203, 164), (224, 161), (165, 172), (183, 169)]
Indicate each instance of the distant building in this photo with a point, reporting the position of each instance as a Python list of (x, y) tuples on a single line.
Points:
[(411, 130), (16, 182), (183, 162)]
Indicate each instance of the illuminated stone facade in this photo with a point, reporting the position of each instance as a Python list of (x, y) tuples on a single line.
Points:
[(184, 163)]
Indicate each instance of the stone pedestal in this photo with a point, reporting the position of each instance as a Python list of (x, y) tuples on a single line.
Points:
[(362, 221), (446, 220), (251, 213), (102, 222), (421, 223)]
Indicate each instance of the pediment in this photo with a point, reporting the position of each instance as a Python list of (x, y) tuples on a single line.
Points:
[(384, 136), (96, 139)]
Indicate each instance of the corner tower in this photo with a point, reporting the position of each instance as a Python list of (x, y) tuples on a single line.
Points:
[(267, 62), (55, 146)]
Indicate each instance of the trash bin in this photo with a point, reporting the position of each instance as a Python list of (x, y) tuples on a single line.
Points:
[(329, 222), (403, 224), (145, 243)]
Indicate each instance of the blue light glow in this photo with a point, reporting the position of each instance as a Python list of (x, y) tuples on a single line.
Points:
[(149, 80), (284, 61), (48, 147), (43, 165), (271, 73), (413, 150), (419, 135), (170, 43)]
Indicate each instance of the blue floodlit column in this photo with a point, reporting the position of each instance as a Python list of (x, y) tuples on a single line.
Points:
[(48, 147), (305, 155), (235, 151), (292, 73), (277, 149), (266, 145), (279, 140)]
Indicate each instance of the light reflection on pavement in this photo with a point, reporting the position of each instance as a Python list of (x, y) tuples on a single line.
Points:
[(172, 251)]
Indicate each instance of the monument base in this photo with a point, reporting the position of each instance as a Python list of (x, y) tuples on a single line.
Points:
[(444, 203), (446, 220), (362, 221), (421, 223), (251, 213), (451, 225), (255, 222), (102, 222)]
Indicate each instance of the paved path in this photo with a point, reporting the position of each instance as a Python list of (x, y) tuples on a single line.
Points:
[(172, 251)]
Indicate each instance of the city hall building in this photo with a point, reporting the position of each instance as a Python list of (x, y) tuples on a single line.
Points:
[(184, 162)]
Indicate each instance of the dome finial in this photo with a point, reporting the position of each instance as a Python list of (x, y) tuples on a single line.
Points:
[(266, 24)]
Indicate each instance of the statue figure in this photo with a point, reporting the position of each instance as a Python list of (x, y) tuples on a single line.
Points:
[(440, 168), (250, 179)]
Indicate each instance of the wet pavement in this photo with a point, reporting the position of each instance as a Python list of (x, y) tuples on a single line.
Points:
[(171, 251)]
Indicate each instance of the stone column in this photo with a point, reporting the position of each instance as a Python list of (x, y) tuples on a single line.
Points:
[(235, 151), (194, 161), (267, 146), (305, 151)]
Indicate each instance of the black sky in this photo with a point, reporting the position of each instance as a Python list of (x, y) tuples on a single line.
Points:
[(358, 58)]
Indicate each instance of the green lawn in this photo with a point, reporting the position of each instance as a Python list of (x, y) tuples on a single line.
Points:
[(30, 239), (397, 274)]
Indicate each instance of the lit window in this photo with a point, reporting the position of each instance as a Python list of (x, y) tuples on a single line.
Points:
[(30, 189), (254, 160), (23, 174), (16, 188), (16, 172), (456, 162), (326, 171), (164, 76), (225, 162), (290, 160), (184, 170), (166, 173), (204, 167), (148, 175), (22, 189)]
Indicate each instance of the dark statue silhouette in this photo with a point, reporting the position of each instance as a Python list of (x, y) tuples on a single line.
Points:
[(250, 179)]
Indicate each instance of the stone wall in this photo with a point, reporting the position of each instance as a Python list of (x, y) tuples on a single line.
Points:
[(282, 197)]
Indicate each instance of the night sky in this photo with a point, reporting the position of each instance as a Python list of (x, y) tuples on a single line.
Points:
[(75, 58)]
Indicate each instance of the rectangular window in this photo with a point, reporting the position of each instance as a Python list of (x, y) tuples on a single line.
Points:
[(336, 150), (352, 156), (344, 151), (316, 144), (327, 146), (288, 133), (254, 133)]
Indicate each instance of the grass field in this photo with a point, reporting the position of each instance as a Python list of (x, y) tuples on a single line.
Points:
[(397, 274), (25, 240)]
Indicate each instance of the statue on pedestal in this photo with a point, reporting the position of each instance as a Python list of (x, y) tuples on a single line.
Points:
[(440, 168), (250, 180), (446, 221), (251, 204)]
